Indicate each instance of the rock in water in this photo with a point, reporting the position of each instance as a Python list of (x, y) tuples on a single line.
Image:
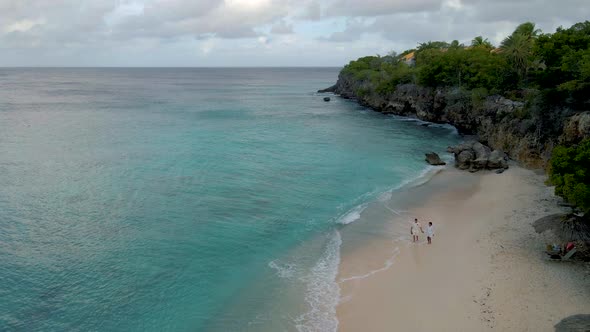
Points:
[(433, 159), (326, 98)]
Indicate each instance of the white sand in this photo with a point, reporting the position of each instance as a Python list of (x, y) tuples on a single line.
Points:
[(484, 271)]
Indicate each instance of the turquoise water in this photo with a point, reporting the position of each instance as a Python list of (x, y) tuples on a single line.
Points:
[(185, 199)]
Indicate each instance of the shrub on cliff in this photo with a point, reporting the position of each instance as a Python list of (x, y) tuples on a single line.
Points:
[(468, 68), (570, 173), (566, 57), (383, 73)]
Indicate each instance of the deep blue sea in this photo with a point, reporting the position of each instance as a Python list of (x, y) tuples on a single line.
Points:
[(186, 199)]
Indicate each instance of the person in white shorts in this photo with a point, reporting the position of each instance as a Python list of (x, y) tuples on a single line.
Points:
[(429, 232), (415, 230)]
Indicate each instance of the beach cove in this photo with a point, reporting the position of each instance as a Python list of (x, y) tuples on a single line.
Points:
[(484, 271)]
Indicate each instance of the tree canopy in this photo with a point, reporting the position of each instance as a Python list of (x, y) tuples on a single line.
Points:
[(570, 173), (546, 70)]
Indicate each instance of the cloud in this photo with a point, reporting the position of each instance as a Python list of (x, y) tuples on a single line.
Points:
[(352, 32), (380, 7), (282, 28), (204, 32), (312, 11)]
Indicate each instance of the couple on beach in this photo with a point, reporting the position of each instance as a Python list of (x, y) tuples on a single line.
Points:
[(417, 229)]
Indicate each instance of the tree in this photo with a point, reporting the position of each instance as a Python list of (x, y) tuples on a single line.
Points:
[(518, 47), (479, 41), (519, 50), (429, 45), (528, 30), (570, 173), (468, 68), (455, 44), (566, 57)]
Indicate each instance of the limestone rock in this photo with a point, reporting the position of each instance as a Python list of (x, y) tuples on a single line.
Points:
[(463, 159), (330, 89), (482, 155), (576, 128), (433, 159), (497, 159), (474, 156)]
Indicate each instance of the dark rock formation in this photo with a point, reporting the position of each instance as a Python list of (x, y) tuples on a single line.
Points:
[(575, 323), (576, 128), (475, 156), (433, 159), (330, 89), (499, 123), (497, 159), (326, 98), (463, 159)]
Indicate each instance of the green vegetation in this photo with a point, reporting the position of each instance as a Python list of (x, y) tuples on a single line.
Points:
[(468, 68), (549, 72), (570, 173), (557, 64)]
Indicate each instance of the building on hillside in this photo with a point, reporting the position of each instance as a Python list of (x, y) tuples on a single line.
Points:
[(409, 59)]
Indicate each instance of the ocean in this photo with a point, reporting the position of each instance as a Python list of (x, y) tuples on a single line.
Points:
[(187, 199)]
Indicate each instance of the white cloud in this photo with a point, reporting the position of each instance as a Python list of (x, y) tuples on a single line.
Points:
[(248, 32), (23, 25), (281, 28)]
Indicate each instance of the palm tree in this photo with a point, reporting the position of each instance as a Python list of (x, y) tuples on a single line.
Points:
[(528, 29), (479, 41), (518, 48)]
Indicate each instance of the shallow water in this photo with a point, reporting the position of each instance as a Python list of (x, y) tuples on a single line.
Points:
[(185, 199)]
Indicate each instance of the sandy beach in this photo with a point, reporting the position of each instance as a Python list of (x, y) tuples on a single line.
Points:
[(484, 271)]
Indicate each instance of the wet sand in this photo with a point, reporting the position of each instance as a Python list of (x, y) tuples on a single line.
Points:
[(484, 271)]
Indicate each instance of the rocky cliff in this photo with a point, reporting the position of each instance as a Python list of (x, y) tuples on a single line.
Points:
[(498, 122)]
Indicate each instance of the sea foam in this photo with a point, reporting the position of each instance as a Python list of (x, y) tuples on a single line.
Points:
[(322, 292), (352, 215)]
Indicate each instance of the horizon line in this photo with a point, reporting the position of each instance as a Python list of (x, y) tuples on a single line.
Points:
[(168, 67)]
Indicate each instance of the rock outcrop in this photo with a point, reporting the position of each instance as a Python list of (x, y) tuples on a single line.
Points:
[(433, 159), (576, 128), (330, 89), (498, 122), (474, 156)]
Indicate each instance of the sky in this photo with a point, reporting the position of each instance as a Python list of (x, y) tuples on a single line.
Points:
[(237, 33)]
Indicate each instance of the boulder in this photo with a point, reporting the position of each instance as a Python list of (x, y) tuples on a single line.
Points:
[(464, 158), (497, 159), (461, 147), (482, 154), (474, 156), (576, 128), (433, 159), (326, 98), (481, 151)]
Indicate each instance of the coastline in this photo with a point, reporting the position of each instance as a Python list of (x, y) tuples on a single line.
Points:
[(485, 269)]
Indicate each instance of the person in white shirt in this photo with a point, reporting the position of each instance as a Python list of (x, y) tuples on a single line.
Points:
[(429, 232), (415, 230)]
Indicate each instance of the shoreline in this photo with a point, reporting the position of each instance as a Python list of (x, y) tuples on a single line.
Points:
[(484, 270)]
